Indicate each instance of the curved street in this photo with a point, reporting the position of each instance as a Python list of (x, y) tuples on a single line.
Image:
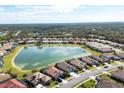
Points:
[(85, 76)]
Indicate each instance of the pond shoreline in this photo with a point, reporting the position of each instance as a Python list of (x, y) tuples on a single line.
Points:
[(13, 60)]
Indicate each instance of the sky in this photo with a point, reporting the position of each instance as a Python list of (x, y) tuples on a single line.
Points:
[(12, 14)]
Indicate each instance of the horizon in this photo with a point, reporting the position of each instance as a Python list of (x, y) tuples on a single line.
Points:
[(59, 23), (52, 14)]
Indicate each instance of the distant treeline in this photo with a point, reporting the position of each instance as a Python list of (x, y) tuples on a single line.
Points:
[(111, 31)]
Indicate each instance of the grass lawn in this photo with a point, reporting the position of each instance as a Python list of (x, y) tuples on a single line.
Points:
[(90, 67), (8, 67), (52, 84), (88, 84), (91, 50)]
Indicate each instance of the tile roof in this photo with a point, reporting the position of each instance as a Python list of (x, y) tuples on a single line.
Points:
[(12, 83), (53, 72), (119, 74), (77, 63), (65, 67), (4, 77), (106, 83), (36, 77)]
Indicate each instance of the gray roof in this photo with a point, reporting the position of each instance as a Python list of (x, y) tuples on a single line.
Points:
[(65, 67), (77, 63), (118, 74), (107, 83)]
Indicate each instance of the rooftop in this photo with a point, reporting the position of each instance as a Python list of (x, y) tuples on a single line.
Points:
[(12, 83)]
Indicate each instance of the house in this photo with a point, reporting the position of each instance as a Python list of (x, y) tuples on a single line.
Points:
[(2, 52), (12, 83), (111, 56), (118, 75), (66, 67), (37, 78), (107, 83), (53, 72), (97, 58), (7, 46), (77, 63), (105, 50), (4, 77), (89, 61), (120, 54), (99, 47)]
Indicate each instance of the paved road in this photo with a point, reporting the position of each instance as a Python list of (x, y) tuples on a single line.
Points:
[(83, 77)]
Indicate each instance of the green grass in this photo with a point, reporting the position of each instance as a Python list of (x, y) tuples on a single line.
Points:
[(90, 67), (8, 67), (88, 84), (112, 62), (91, 50), (52, 84)]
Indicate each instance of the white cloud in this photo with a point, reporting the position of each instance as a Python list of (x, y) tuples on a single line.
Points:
[(57, 13)]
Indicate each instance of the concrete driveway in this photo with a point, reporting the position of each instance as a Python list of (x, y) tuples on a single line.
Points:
[(73, 74)]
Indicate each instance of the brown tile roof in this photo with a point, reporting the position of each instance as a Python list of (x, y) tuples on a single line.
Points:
[(36, 77), (53, 72), (13, 83)]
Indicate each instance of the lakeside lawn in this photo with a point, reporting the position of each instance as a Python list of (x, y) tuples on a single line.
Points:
[(91, 50), (8, 67)]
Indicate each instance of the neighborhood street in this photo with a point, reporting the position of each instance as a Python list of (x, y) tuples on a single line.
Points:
[(85, 76)]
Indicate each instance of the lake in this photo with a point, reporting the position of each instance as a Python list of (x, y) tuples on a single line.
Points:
[(36, 57)]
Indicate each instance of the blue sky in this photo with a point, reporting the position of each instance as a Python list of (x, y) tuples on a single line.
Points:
[(60, 14)]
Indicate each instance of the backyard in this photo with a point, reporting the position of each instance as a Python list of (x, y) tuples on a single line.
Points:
[(8, 66)]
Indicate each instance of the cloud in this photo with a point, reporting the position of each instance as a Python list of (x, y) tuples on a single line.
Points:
[(57, 14)]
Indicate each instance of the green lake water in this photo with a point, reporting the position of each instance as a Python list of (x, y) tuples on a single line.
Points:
[(36, 57)]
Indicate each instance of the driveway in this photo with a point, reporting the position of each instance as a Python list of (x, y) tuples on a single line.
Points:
[(85, 76), (73, 74)]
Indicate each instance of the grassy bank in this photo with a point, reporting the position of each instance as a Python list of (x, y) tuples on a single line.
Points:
[(8, 66)]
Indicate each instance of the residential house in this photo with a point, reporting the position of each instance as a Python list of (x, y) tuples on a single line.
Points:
[(110, 56), (89, 61), (53, 72), (97, 58), (118, 75), (2, 52), (12, 83), (120, 54), (107, 83), (4, 77), (66, 67), (105, 50), (7, 46), (77, 63), (37, 78)]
